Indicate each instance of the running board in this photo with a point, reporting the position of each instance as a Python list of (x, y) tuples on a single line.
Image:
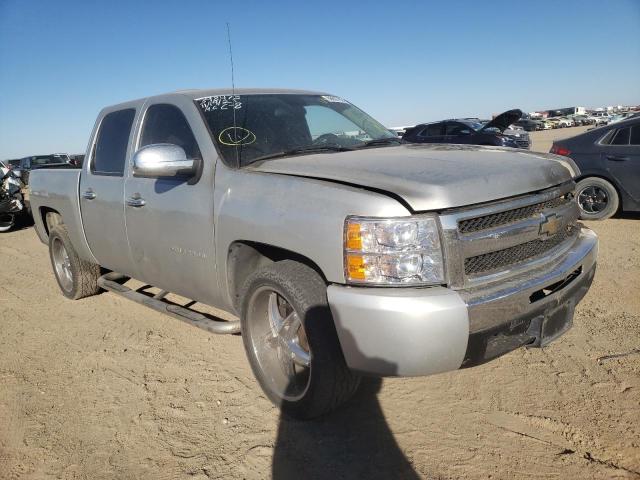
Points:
[(110, 280)]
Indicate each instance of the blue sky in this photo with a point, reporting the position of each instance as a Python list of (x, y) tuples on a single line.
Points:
[(403, 62)]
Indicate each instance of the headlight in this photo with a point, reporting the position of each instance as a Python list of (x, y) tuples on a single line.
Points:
[(394, 251)]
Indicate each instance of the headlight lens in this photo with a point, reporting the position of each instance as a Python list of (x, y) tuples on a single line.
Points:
[(395, 251)]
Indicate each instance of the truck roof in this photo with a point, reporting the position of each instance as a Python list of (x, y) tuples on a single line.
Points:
[(207, 92)]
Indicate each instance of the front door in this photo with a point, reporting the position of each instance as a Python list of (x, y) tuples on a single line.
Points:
[(169, 221), (102, 192)]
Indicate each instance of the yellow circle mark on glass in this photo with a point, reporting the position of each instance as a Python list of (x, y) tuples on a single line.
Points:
[(235, 136)]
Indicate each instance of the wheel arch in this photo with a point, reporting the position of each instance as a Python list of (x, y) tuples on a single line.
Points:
[(245, 257), (50, 217)]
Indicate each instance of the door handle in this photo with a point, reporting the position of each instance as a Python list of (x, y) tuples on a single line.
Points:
[(89, 195), (615, 158), (136, 202)]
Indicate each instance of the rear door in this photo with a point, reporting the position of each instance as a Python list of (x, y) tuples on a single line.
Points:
[(171, 234), (622, 158), (102, 191)]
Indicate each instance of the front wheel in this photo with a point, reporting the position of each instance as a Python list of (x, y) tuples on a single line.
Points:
[(291, 341), (597, 198)]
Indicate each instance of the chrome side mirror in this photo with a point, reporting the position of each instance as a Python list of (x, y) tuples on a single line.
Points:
[(163, 160)]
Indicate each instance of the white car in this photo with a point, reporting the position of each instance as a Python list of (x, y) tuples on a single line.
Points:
[(601, 118), (564, 122)]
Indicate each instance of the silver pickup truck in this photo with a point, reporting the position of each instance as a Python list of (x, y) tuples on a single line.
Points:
[(341, 251)]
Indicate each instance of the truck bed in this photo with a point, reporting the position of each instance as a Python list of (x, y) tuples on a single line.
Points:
[(57, 190)]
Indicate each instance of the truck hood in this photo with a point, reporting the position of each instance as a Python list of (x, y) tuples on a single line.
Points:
[(432, 177)]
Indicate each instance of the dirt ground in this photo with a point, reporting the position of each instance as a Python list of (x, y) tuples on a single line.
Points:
[(103, 388)]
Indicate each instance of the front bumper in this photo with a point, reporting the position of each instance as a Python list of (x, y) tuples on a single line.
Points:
[(423, 331)]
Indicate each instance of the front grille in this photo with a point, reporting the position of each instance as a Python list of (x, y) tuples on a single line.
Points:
[(509, 216), (511, 256)]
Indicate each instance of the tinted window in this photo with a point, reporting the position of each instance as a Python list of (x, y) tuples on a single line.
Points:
[(456, 129), (167, 124), (621, 137), (111, 146), (432, 130), (635, 135)]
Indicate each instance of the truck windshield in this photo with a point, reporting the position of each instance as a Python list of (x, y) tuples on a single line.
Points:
[(247, 128)]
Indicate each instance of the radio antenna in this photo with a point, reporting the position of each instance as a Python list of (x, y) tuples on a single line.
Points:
[(233, 95)]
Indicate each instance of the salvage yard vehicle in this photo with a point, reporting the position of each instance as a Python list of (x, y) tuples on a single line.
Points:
[(12, 202), (342, 254), (468, 131), (34, 162), (609, 161)]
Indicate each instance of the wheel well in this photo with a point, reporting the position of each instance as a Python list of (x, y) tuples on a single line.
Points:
[(50, 218), (246, 257)]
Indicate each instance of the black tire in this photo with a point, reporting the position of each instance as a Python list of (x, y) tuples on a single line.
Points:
[(597, 198), (83, 274), (328, 381)]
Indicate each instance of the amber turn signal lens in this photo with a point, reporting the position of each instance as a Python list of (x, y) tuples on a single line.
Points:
[(355, 267), (354, 238)]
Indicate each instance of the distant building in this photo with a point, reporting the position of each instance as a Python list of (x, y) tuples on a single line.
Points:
[(563, 112)]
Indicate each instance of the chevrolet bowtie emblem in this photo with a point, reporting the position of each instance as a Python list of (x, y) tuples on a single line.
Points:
[(550, 225)]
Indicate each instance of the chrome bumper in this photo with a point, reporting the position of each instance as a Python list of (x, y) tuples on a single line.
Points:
[(423, 331)]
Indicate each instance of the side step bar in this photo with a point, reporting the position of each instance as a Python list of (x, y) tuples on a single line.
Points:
[(110, 280)]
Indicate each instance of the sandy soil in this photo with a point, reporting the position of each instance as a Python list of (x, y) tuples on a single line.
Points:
[(103, 388)]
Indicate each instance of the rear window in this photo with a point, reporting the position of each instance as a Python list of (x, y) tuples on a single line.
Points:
[(111, 145)]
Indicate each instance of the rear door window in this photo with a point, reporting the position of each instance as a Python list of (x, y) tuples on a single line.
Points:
[(621, 137), (111, 145), (635, 135), (433, 130), (164, 123), (456, 129)]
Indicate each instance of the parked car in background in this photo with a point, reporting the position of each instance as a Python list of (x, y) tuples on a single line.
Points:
[(609, 162), (583, 120), (565, 122), (467, 131), (601, 118), (554, 122), (517, 133), (35, 162), (528, 124), (544, 124)]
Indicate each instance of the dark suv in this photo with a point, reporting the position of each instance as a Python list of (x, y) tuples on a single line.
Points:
[(467, 131)]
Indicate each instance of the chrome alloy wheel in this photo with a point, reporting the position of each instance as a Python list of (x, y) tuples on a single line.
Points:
[(62, 264), (593, 199), (280, 344)]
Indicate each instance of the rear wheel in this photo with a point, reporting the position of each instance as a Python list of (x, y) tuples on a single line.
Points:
[(76, 277), (291, 341), (597, 198)]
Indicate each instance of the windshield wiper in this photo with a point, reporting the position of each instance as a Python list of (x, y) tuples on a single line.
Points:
[(380, 141), (309, 149)]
